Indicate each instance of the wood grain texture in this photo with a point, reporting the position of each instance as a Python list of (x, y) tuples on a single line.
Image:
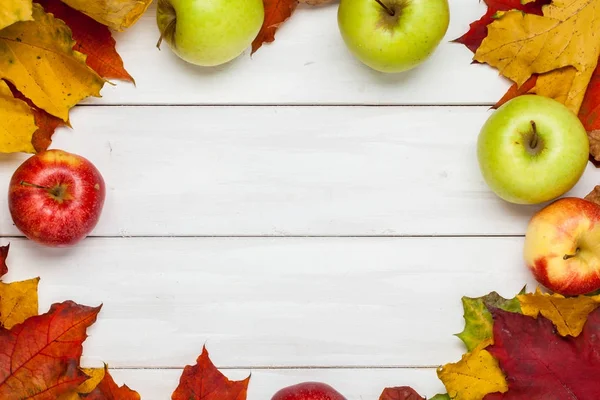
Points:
[(307, 64), (355, 384), (274, 302), (280, 171)]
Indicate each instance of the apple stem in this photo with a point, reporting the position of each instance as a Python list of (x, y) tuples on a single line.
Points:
[(386, 8), (567, 256), (23, 183), (534, 138)]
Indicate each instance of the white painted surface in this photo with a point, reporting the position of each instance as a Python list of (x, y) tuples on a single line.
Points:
[(290, 171), (275, 302), (307, 64), (349, 305)]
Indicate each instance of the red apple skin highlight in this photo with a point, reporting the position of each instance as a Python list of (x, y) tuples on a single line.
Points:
[(56, 198), (562, 246), (308, 391)]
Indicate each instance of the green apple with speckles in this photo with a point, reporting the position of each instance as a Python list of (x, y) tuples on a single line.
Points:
[(532, 149), (393, 35), (209, 32)]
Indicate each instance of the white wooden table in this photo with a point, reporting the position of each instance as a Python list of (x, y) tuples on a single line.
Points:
[(303, 216)]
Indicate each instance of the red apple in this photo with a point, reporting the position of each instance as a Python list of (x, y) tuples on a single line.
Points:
[(56, 198), (562, 246), (308, 391)]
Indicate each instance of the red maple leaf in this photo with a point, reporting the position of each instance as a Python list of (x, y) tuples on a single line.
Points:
[(589, 112), (107, 389), (540, 364), (478, 29), (3, 257), (400, 393), (276, 13), (39, 358), (93, 39), (204, 381)]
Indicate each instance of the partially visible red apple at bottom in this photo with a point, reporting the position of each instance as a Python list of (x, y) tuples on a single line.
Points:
[(562, 246), (56, 198), (308, 391)]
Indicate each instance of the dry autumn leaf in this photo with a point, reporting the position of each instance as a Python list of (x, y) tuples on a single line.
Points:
[(116, 14), (14, 11), (46, 124), (40, 357), (18, 302), (478, 30), (95, 376), (37, 57), (276, 13), (107, 389), (478, 320), (474, 376), (18, 123), (560, 45), (541, 365), (204, 381), (3, 256), (568, 314), (589, 113), (92, 39), (594, 195)]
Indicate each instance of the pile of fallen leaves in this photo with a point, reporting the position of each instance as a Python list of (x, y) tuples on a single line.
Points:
[(534, 346), (53, 55), (550, 48)]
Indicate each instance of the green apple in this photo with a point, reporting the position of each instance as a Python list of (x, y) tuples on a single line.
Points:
[(209, 32), (532, 149), (393, 35)]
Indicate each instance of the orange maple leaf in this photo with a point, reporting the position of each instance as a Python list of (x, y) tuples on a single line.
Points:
[(204, 381), (40, 357), (276, 13)]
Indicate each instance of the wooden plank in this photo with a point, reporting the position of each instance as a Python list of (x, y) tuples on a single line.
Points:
[(289, 171), (354, 384), (274, 301), (307, 64)]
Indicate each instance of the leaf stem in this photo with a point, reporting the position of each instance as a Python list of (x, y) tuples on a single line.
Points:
[(386, 8)]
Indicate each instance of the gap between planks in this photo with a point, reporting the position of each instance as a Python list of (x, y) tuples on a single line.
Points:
[(444, 236), (290, 105), (301, 367)]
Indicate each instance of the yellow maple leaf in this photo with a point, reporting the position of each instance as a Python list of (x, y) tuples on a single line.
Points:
[(13, 11), (474, 376), (567, 314), (563, 45), (38, 58), (116, 14), (18, 301), (18, 123)]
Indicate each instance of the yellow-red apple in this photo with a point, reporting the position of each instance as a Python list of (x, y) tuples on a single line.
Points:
[(562, 246), (56, 198)]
